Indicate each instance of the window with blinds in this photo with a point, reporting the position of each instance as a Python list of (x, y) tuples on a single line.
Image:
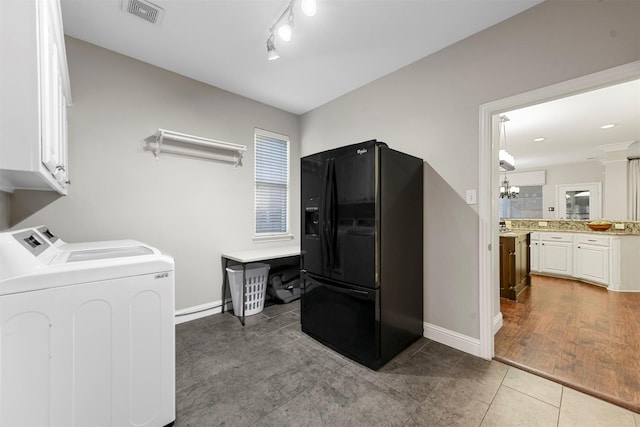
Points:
[(271, 183)]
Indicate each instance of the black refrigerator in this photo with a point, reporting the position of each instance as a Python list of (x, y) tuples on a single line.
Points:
[(362, 247)]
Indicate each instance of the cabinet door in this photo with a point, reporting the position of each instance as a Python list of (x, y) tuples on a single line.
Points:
[(556, 258), (52, 100), (521, 261), (507, 266), (535, 255), (592, 263)]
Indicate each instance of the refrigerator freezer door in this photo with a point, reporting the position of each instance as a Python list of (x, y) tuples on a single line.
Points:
[(314, 187), (343, 318)]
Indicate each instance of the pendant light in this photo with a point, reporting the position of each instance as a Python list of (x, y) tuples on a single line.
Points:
[(507, 162)]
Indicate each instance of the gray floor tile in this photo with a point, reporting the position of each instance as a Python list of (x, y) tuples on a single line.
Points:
[(475, 378), (534, 386), (269, 373), (513, 408), (418, 375), (447, 407), (579, 409)]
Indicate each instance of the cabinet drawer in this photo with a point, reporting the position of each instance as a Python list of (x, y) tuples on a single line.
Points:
[(589, 239), (556, 237)]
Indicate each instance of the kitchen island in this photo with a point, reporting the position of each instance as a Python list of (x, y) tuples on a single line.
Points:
[(514, 264)]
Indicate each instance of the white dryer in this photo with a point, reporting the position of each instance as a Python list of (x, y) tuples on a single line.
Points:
[(86, 332)]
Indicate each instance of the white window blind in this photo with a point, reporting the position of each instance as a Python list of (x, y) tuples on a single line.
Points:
[(271, 183)]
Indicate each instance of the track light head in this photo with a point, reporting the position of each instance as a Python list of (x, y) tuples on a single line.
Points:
[(309, 7), (285, 31), (272, 53)]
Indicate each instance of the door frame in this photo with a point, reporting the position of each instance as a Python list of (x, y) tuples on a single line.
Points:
[(490, 321)]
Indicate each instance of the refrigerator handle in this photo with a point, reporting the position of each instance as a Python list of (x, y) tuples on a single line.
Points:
[(349, 291), (324, 230), (331, 213)]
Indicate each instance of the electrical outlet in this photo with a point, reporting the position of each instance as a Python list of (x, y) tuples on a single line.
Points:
[(619, 226), (542, 223), (471, 197)]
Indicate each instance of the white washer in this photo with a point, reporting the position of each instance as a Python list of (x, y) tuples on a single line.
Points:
[(87, 332)]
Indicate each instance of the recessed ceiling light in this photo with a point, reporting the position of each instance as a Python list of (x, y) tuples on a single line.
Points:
[(538, 139), (609, 126)]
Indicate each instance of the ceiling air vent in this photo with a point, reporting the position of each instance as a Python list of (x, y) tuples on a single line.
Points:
[(144, 9)]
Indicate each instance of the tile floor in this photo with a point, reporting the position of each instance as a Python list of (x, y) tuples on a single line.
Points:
[(271, 374)]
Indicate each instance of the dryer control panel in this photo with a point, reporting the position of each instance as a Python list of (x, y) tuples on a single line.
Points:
[(33, 241)]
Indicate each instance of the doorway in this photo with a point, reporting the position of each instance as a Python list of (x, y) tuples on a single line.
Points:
[(489, 309), (489, 299)]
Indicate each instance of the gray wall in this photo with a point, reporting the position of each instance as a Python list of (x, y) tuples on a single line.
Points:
[(192, 209), (430, 109), (4, 210)]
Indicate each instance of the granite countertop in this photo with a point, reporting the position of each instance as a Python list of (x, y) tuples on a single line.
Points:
[(609, 232), (514, 233), (631, 228)]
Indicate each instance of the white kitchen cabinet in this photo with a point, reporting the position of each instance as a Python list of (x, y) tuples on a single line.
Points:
[(592, 258), (609, 260), (534, 252), (625, 264), (556, 253), (35, 95)]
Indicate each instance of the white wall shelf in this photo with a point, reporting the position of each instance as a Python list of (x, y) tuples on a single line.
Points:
[(167, 141)]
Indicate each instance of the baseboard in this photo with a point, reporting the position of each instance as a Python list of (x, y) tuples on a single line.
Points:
[(452, 339), (199, 311), (497, 323)]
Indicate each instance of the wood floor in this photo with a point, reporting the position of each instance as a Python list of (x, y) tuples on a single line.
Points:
[(578, 334)]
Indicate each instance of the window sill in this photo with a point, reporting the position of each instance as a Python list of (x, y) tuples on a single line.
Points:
[(272, 238)]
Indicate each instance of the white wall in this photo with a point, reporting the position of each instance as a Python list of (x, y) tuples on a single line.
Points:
[(192, 209), (430, 109)]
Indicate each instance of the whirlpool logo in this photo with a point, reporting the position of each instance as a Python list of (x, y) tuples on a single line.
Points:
[(361, 151)]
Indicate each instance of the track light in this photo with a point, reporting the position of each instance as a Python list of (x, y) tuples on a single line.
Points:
[(272, 53), (309, 7), (285, 29)]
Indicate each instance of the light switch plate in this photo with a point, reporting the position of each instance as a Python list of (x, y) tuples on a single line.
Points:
[(471, 197), (542, 223)]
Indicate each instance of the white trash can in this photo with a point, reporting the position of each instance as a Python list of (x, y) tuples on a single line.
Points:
[(257, 275)]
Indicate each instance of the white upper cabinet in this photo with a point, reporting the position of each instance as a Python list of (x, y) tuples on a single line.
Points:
[(34, 96)]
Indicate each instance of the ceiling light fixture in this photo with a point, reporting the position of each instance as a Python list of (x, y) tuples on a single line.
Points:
[(538, 139), (609, 126), (507, 162), (284, 28), (272, 53)]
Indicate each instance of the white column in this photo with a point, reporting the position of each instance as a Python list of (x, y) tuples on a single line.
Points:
[(614, 201)]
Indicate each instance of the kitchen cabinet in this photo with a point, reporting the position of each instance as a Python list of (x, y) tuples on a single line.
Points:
[(625, 268), (556, 253), (514, 264), (592, 258), (534, 252), (35, 96)]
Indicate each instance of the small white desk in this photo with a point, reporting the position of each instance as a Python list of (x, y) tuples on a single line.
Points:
[(252, 255)]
